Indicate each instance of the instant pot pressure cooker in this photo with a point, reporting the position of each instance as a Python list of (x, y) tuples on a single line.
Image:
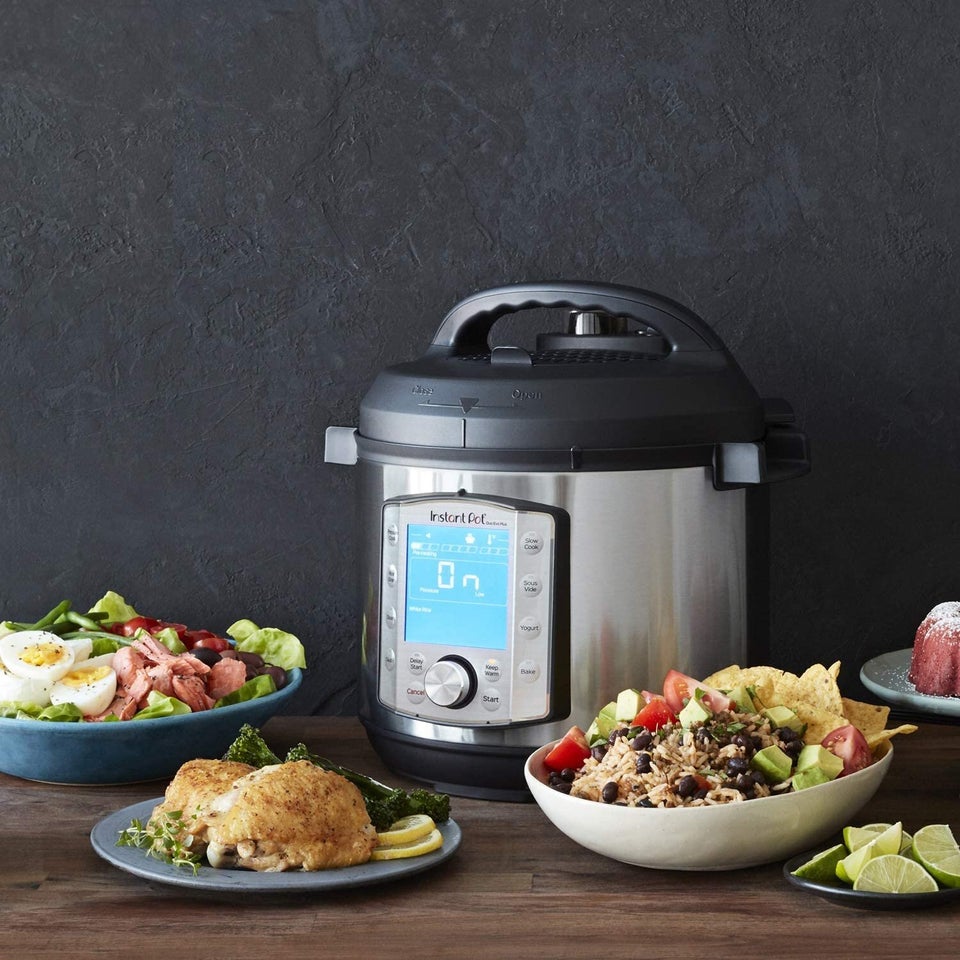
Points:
[(544, 527)]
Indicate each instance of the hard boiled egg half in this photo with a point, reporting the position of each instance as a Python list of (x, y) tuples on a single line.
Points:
[(39, 668), (90, 687)]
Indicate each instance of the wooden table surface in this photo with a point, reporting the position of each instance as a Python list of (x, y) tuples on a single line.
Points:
[(516, 887)]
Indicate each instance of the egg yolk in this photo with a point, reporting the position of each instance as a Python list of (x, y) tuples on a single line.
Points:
[(42, 654), (83, 678)]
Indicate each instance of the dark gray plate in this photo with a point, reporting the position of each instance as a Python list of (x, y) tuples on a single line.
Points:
[(134, 860), (848, 897), (886, 676)]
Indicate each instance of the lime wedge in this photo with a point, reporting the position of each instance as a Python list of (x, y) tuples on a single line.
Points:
[(848, 869), (823, 867), (935, 847), (856, 837), (891, 873)]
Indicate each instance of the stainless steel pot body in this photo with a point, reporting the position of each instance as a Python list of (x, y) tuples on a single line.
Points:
[(658, 579)]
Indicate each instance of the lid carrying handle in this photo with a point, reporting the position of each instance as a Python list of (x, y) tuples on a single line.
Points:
[(466, 328)]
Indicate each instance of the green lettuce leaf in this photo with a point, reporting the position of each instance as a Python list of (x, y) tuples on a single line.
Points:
[(261, 686), (276, 646), (115, 607), (65, 712), (160, 706)]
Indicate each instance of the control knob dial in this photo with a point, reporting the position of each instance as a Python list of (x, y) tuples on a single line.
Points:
[(450, 682)]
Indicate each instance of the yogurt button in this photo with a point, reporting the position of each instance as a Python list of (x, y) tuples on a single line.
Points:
[(528, 627)]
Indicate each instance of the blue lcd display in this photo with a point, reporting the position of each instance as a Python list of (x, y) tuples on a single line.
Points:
[(457, 586)]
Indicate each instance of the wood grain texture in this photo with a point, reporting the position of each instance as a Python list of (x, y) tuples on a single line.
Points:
[(516, 888)]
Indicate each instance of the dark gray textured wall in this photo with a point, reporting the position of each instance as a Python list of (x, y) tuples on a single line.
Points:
[(218, 220)]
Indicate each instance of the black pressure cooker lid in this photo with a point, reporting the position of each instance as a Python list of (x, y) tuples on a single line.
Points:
[(634, 374)]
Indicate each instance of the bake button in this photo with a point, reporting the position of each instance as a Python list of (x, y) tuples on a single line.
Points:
[(416, 694), (528, 671), (528, 627), (392, 574), (530, 585), (393, 534), (492, 671), (490, 699), (531, 543), (390, 658), (416, 663), (390, 617)]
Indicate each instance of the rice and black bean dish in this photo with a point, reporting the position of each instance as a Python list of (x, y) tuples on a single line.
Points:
[(675, 766)]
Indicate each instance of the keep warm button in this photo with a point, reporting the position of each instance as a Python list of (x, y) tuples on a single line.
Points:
[(528, 671), (490, 699)]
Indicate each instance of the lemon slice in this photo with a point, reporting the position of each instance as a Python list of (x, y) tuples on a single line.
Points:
[(891, 873), (935, 847), (416, 848), (406, 830)]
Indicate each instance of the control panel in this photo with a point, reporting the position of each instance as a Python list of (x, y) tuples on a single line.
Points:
[(474, 610)]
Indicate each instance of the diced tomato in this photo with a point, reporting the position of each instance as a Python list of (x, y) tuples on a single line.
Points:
[(191, 638), (130, 627), (654, 715), (851, 746), (219, 644), (570, 752), (678, 688)]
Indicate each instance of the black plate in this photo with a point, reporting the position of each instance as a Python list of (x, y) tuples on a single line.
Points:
[(848, 897)]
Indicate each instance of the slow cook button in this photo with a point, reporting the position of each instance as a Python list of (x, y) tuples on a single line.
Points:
[(531, 543), (528, 627), (416, 694), (530, 585), (490, 699), (528, 671), (491, 670)]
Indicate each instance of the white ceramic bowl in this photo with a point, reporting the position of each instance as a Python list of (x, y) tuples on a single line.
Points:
[(722, 837)]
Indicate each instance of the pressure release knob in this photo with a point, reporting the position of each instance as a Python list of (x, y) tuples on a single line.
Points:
[(450, 682)]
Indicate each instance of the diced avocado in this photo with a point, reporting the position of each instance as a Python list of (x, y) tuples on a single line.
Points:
[(741, 697), (773, 763), (695, 711), (605, 721), (815, 757), (629, 704), (784, 717), (810, 778)]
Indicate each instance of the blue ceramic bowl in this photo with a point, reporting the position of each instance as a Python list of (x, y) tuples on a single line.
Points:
[(131, 751)]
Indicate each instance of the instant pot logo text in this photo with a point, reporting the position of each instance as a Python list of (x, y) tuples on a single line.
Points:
[(421, 391), (465, 516)]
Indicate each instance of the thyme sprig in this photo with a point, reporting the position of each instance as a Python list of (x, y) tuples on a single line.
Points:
[(164, 839)]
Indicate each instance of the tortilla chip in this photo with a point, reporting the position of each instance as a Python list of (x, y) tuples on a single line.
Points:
[(874, 739), (814, 697), (868, 718)]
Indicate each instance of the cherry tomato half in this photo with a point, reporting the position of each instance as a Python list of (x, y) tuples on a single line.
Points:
[(851, 746), (570, 752), (654, 715)]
